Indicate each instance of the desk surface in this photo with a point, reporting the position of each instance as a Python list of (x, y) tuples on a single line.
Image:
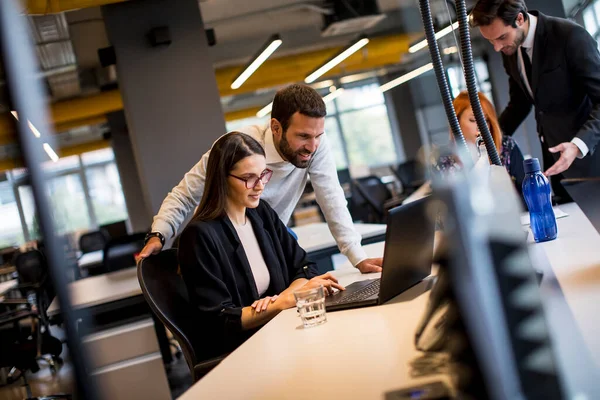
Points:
[(375, 344), (92, 258), (574, 257), (7, 285), (101, 289), (313, 237)]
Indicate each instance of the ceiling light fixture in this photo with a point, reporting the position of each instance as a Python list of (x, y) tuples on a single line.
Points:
[(422, 44), (406, 77), (265, 52), (362, 42), (35, 131), (333, 94), (51, 153), (263, 112)]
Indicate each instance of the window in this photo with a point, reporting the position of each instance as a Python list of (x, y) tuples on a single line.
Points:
[(240, 123), (357, 126), (106, 193), (84, 191), (11, 233), (457, 79), (591, 19)]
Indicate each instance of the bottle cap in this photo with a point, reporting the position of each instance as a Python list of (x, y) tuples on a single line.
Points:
[(531, 165)]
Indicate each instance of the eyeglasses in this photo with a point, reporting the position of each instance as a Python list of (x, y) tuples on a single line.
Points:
[(252, 180)]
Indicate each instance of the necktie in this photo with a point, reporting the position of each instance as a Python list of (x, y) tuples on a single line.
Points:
[(527, 63)]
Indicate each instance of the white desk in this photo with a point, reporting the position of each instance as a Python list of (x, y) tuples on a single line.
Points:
[(285, 361), (93, 258), (314, 237), (101, 289), (574, 258), (362, 353)]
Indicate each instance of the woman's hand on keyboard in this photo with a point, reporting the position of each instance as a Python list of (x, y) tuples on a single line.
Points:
[(328, 281)]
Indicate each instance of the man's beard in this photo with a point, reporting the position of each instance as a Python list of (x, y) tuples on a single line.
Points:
[(291, 155), (519, 39)]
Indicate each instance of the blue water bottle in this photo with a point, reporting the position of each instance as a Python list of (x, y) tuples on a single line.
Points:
[(536, 191)]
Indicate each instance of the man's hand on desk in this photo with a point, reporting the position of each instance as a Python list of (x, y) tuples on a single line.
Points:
[(568, 153), (370, 265), (154, 246)]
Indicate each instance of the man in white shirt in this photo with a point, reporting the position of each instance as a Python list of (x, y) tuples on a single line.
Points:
[(554, 65), (296, 148)]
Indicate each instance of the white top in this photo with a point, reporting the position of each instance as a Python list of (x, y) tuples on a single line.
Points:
[(282, 193), (262, 278), (528, 45)]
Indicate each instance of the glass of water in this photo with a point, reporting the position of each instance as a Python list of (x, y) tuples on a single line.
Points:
[(311, 306)]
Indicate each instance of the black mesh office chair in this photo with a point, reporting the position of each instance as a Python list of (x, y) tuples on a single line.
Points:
[(120, 253), (376, 196), (93, 241), (24, 345), (165, 292), (411, 175)]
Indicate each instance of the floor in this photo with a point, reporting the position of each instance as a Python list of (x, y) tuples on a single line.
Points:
[(44, 383)]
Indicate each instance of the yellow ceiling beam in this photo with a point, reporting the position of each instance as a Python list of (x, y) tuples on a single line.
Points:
[(380, 52), (57, 6), (12, 163)]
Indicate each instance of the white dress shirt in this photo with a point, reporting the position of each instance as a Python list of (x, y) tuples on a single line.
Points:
[(528, 45), (282, 193)]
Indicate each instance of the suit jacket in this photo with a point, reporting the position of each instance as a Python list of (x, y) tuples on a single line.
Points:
[(219, 279), (566, 90)]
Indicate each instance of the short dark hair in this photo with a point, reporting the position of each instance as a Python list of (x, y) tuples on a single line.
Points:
[(224, 154), (297, 98), (485, 11)]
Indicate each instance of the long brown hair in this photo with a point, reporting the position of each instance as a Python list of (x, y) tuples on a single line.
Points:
[(224, 154), (462, 103)]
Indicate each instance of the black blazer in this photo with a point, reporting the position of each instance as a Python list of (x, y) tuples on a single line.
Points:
[(218, 275), (566, 89)]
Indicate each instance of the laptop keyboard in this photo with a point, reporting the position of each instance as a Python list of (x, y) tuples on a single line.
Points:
[(362, 294)]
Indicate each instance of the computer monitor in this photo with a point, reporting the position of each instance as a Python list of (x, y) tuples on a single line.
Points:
[(497, 331)]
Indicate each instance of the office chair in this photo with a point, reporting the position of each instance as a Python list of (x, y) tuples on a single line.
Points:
[(411, 175), (377, 197), (23, 345), (115, 230), (37, 290), (93, 241), (165, 292), (120, 253)]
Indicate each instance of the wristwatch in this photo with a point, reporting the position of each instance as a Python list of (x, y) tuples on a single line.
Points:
[(155, 234)]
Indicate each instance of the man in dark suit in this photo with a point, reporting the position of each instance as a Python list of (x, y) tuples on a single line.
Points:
[(553, 64)]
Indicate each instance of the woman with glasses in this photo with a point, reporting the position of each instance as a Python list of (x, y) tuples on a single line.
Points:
[(238, 260)]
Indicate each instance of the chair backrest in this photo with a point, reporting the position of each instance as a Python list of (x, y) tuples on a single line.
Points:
[(115, 230), (165, 292), (120, 253), (374, 192), (411, 174), (31, 267), (92, 241)]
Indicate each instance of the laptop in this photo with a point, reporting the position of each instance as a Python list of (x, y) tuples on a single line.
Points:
[(407, 259), (585, 192)]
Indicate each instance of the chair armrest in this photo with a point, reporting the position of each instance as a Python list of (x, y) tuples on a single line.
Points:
[(205, 367), (393, 202)]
